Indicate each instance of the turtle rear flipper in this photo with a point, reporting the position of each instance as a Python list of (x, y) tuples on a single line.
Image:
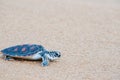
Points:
[(8, 58)]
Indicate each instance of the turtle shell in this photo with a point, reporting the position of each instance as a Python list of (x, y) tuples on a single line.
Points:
[(22, 50)]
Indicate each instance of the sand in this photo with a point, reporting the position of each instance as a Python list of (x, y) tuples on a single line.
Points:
[(87, 33)]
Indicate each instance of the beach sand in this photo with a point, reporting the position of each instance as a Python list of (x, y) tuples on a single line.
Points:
[(86, 33)]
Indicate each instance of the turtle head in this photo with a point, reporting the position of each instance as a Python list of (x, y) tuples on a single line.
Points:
[(52, 55)]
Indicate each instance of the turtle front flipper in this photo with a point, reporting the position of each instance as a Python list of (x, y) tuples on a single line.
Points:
[(45, 61)]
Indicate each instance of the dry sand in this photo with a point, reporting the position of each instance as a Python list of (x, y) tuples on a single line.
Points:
[(87, 34)]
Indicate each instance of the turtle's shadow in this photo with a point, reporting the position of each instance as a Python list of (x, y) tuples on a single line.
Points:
[(19, 59), (40, 60)]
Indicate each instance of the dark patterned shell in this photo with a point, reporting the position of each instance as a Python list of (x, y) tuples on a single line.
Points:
[(23, 50)]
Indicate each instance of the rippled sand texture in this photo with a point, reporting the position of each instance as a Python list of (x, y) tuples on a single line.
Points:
[(87, 34)]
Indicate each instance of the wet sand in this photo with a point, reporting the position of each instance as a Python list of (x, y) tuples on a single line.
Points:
[(86, 33)]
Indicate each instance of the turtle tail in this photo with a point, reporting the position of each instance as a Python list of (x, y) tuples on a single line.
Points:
[(1, 55)]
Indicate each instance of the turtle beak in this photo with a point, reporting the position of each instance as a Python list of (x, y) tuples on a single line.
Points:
[(59, 54)]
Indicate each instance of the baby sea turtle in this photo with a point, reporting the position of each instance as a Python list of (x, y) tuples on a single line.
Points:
[(31, 52)]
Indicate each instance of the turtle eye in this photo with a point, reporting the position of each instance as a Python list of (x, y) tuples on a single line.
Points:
[(56, 55), (59, 55)]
